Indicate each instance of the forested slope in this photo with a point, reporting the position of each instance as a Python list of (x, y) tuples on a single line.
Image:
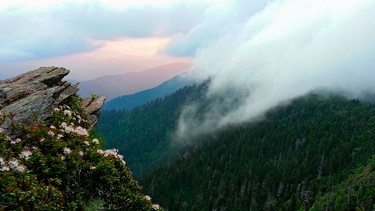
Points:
[(282, 163), (296, 157), (143, 134)]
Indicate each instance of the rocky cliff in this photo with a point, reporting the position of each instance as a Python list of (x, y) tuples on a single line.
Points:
[(52, 161), (38, 92)]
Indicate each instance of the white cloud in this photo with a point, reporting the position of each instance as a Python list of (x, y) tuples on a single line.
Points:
[(288, 49), (43, 29), (218, 19)]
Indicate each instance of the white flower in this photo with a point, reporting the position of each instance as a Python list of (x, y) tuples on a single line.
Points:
[(155, 206), (147, 197), (86, 143), (2, 162), (95, 141), (56, 109), (42, 139), (25, 154), (20, 168), (67, 151), (92, 167), (51, 133), (15, 141), (52, 127), (4, 168), (68, 112), (113, 153), (71, 129), (80, 153), (14, 164), (59, 136), (81, 131)]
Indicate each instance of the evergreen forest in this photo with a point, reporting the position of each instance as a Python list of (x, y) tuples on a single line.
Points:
[(316, 153)]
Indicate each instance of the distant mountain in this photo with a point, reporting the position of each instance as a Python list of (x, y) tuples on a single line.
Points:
[(114, 86), (127, 102)]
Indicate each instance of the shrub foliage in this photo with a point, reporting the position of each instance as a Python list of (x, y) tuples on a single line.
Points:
[(58, 165)]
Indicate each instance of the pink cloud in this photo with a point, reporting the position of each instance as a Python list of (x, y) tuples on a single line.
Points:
[(113, 57)]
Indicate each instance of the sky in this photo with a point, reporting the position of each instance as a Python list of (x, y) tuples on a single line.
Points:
[(96, 37), (263, 53)]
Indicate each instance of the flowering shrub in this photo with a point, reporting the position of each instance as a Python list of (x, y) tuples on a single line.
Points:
[(56, 165)]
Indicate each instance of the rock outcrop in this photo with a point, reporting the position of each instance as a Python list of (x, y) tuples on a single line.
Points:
[(38, 92)]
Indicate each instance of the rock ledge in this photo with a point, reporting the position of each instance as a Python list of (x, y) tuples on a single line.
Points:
[(38, 92)]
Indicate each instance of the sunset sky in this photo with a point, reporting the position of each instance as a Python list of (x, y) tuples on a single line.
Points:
[(104, 37), (93, 38)]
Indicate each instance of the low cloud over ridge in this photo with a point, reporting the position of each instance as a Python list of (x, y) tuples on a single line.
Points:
[(284, 51)]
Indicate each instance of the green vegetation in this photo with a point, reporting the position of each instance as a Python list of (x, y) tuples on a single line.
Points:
[(300, 157), (58, 165), (143, 134), (297, 153), (355, 193)]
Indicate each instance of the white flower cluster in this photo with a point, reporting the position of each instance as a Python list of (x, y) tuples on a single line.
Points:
[(156, 207), (66, 110), (95, 141), (113, 153), (25, 154), (13, 142), (12, 164), (67, 151), (72, 129)]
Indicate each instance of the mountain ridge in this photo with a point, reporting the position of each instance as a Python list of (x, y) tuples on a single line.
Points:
[(131, 82), (131, 101)]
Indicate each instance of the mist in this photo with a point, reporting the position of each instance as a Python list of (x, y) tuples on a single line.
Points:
[(284, 51)]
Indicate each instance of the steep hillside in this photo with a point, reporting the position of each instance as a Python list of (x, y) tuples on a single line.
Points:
[(290, 160), (140, 98), (357, 192), (129, 83), (143, 134), (298, 152)]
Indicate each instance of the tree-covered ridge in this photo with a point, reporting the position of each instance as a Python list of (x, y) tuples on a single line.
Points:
[(284, 162), (57, 165), (143, 134)]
